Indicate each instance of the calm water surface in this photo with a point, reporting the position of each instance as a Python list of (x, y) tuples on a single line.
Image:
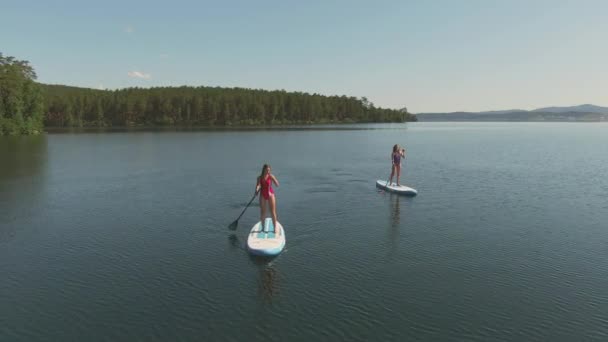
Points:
[(122, 236)]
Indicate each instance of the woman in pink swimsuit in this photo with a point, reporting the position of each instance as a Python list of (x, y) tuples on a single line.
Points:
[(264, 186)]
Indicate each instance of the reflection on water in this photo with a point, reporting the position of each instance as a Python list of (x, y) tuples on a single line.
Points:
[(235, 242), (267, 271), (22, 162), (395, 211), (393, 232), (21, 156), (268, 280)]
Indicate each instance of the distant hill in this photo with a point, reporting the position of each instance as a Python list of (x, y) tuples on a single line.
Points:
[(585, 108), (586, 112)]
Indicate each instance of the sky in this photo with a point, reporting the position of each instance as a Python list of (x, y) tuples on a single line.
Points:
[(428, 56)]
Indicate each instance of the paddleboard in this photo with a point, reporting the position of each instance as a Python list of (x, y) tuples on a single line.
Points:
[(265, 240), (402, 189)]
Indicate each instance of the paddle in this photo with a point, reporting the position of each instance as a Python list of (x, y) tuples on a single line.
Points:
[(234, 224), (389, 176), (385, 188)]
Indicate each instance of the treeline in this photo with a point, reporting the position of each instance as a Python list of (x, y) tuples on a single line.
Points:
[(21, 102), (204, 106), (25, 105)]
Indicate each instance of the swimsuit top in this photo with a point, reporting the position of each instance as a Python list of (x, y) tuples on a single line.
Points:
[(266, 186), (396, 158)]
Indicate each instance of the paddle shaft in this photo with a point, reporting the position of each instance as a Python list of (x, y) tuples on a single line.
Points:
[(247, 206)]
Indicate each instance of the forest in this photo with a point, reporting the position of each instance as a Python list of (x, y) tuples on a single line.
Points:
[(21, 98), (27, 106)]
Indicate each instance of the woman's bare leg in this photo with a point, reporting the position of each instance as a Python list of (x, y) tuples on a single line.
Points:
[(262, 211), (273, 210), (398, 167)]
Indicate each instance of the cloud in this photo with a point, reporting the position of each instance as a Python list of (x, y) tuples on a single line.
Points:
[(139, 74), (129, 29), (100, 87)]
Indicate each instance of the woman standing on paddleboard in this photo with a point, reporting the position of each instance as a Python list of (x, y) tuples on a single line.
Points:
[(264, 185), (396, 159)]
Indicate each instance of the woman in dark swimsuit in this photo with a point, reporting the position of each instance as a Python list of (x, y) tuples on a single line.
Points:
[(396, 159), (264, 185)]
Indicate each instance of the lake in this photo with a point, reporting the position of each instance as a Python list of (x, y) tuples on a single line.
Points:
[(122, 236)]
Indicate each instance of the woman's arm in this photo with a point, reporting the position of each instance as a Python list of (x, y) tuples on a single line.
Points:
[(257, 185), (274, 180)]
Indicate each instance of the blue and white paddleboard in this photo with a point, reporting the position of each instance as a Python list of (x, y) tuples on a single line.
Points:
[(402, 189), (265, 239)]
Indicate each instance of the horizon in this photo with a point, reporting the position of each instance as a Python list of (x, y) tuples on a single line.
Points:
[(427, 57)]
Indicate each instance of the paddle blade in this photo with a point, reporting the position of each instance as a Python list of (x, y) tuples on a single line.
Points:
[(233, 225)]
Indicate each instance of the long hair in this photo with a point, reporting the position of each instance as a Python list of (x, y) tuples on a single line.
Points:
[(396, 148), (264, 171)]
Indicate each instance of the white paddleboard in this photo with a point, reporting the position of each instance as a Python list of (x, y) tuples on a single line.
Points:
[(402, 189), (265, 240)]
